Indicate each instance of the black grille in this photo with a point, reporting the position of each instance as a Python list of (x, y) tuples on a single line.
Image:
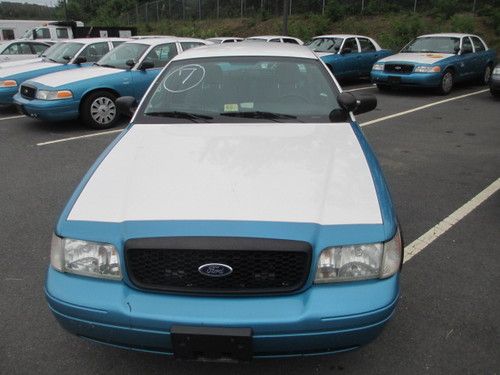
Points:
[(28, 91), (398, 68), (259, 266)]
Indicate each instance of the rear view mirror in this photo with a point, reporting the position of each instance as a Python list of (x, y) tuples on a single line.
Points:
[(126, 105), (80, 60), (346, 50), (130, 63), (357, 104), (147, 65)]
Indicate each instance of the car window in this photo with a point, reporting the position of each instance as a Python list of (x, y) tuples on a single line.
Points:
[(8, 34), (38, 47), (351, 44), (42, 33), (229, 41), (119, 56), (325, 44), (433, 44), (162, 54), (62, 33), (276, 40), (290, 40), (366, 45), (116, 43), (63, 52), (466, 44), (94, 52), (18, 49), (478, 44), (187, 45), (219, 87)]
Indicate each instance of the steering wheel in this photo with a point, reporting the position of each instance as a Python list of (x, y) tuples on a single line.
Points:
[(297, 97)]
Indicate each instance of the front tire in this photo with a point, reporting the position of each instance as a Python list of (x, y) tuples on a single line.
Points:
[(98, 111), (495, 93), (485, 78), (447, 82)]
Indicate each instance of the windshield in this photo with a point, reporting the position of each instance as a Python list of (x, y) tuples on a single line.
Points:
[(118, 57), (325, 44), (215, 40), (62, 53), (242, 89), (434, 44)]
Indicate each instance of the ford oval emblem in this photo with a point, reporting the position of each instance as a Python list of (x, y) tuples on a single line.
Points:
[(215, 270)]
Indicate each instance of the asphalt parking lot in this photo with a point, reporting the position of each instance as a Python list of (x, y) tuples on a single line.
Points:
[(441, 157)]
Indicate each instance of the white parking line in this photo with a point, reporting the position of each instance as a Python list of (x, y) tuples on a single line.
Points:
[(421, 107), (79, 137), (361, 88), (11, 117), (442, 227)]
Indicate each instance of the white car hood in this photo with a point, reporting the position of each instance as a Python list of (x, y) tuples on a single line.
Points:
[(418, 58), (312, 173), (26, 68), (8, 64), (68, 76)]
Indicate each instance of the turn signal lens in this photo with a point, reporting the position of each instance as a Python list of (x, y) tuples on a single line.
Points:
[(427, 69), (64, 94), (8, 83)]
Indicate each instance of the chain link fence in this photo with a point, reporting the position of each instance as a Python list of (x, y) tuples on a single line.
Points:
[(154, 11)]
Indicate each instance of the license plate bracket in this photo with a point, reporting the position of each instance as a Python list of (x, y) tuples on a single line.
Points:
[(212, 343)]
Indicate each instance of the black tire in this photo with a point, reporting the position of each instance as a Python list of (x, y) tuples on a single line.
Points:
[(495, 93), (383, 87), (98, 110), (447, 82), (485, 77)]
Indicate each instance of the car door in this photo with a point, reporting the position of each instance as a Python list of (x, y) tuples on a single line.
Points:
[(480, 56), (159, 55), (369, 55), (348, 63), (467, 59)]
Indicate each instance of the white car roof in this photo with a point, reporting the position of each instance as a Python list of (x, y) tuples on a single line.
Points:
[(341, 36), (169, 39), (265, 37), (248, 49), (224, 38), (451, 35), (94, 40)]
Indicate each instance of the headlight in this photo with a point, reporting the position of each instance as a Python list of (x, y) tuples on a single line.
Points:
[(85, 258), (427, 69), (53, 95), (496, 70), (360, 262), (378, 67), (8, 83)]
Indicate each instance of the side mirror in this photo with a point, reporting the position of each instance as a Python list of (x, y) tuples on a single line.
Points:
[(457, 50), (80, 60), (345, 51), (66, 57), (126, 105), (130, 63), (147, 65), (357, 104)]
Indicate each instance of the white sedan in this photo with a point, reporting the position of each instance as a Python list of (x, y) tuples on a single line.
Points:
[(15, 50)]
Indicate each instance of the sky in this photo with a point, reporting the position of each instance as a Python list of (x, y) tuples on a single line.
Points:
[(40, 2)]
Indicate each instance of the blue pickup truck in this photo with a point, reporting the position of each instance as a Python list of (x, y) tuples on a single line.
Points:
[(348, 56), (436, 60)]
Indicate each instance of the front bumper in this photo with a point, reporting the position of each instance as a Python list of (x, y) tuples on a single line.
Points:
[(411, 79), (323, 319), (7, 94), (48, 110)]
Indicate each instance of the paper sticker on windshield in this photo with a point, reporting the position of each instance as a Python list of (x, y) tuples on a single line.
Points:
[(184, 78), (431, 55), (230, 107)]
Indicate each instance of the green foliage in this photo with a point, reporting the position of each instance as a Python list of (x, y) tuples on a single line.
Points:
[(335, 10), (307, 27), (462, 23), (446, 8), (10, 10), (495, 20)]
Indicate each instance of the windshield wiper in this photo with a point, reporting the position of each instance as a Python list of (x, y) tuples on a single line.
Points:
[(106, 65), (48, 58), (260, 115), (180, 114)]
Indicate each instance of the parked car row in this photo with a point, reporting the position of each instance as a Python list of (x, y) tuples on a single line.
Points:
[(48, 88)]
